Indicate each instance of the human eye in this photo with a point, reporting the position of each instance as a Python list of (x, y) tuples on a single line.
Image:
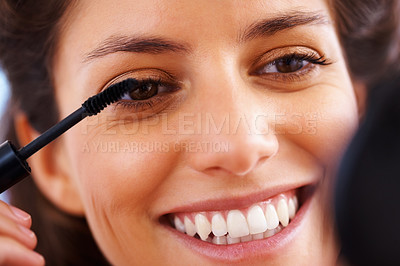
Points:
[(289, 65), (153, 92), (292, 63)]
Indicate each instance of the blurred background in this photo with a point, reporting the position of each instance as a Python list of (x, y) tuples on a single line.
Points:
[(3, 92), (4, 95)]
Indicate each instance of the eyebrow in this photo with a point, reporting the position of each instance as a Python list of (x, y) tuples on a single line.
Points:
[(270, 26), (135, 44), (159, 45)]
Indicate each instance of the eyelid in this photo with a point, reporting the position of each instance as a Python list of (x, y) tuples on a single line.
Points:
[(144, 73), (292, 81), (157, 103)]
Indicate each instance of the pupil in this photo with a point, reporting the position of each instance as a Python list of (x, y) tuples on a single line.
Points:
[(288, 65), (144, 91)]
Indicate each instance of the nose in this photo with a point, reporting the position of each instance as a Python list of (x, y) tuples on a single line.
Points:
[(238, 153), (237, 143)]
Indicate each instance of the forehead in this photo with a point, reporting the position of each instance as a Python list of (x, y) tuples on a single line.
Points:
[(91, 22), (209, 28)]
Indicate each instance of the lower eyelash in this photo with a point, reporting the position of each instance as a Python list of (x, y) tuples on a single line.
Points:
[(137, 106), (291, 77), (296, 76)]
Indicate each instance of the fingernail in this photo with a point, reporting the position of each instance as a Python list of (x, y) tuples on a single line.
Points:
[(26, 231), (20, 213)]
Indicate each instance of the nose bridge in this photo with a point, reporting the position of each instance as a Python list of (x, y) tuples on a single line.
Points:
[(228, 119), (224, 102)]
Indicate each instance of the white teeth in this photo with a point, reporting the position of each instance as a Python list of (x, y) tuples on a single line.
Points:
[(190, 228), (232, 240), (291, 208), (272, 232), (218, 225), (219, 240), (269, 233), (246, 238), (203, 226), (283, 212), (179, 225), (236, 228), (256, 220), (278, 229), (271, 216), (296, 203), (237, 224), (258, 236)]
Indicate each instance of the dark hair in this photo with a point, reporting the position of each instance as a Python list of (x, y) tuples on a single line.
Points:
[(368, 30), (28, 37)]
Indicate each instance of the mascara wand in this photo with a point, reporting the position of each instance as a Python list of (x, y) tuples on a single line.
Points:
[(13, 165)]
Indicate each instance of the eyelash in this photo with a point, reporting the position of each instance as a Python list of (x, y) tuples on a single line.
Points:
[(142, 105), (310, 57)]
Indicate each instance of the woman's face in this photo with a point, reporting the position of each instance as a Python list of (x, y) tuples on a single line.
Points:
[(244, 108)]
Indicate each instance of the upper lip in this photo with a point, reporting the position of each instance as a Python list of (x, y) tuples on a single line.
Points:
[(237, 201)]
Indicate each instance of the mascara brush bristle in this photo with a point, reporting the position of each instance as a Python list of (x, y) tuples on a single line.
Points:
[(112, 94)]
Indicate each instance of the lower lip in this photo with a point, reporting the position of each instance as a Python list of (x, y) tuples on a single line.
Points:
[(265, 248)]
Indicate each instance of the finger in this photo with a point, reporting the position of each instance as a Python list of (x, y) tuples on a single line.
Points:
[(13, 253), (16, 214), (24, 218), (12, 229)]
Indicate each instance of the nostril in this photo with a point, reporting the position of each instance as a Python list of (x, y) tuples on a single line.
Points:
[(244, 152), (237, 160), (262, 160), (236, 168), (247, 162)]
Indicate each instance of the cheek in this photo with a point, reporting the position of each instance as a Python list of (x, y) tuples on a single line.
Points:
[(323, 123), (117, 169), (335, 126), (118, 181)]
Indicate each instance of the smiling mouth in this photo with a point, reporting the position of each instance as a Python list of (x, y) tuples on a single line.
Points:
[(261, 220)]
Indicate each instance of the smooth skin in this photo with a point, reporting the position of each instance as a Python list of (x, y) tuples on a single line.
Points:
[(297, 124)]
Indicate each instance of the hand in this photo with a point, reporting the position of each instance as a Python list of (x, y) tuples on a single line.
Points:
[(17, 241)]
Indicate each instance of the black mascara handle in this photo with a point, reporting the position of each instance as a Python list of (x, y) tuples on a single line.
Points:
[(12, 168), (52, 133), (13, 165)]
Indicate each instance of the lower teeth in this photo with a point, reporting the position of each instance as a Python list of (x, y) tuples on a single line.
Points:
[(227, 240)]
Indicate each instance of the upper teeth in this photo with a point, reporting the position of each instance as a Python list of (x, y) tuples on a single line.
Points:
[(237, 224), (203, 226), (233, 226), (256, 220), (218, 225)]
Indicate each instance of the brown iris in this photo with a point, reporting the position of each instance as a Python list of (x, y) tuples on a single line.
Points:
[(289, 65), (144, 91)]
